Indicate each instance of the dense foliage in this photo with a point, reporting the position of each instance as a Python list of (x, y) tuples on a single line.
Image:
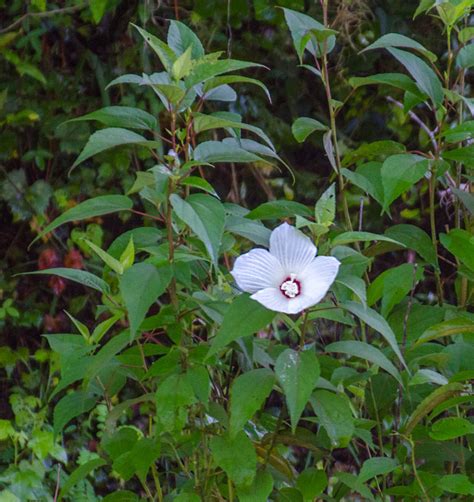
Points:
[(144, 148)]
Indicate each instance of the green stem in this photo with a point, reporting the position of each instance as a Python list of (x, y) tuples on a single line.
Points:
[(434, 240)]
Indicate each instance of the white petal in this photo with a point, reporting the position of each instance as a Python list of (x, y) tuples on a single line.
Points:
[(256, 270), (317, 277), (273, 299), (292, 248)]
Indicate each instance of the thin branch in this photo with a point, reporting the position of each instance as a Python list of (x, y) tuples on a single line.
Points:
[(47, 13)]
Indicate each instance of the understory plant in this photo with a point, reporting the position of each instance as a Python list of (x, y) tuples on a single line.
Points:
[(281, 352)]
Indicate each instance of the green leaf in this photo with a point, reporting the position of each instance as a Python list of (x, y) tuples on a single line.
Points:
[(392, 285), (368, 178), (206, 122), (98, 206), (376, 322), (461, 244), (465, 57), (120, 116), (299, 25), (182, 66), (397, 40), (428, 404), (464, 155), (311, 483), (209, 69), (297, 373), (121, 496), (79, 474), (98, 9), (180, 38), (349, 237), (304, 126), (200, 183), (424, 76), (252, 230), (424, 6), (279, 209), (373, 150), (166, 55), (376, 466), (466, 198), (234, 79), (456, 483), (140, 286), (413, 237), (258, 491), (460, 132), (172, 397), (452, 327), (110, 261), (355, 284), (71, 406), (400, 173), (398, 80), (256, 318), (334, 414), (76, 275), (217, 151), (325, 209), (247, 394), (205, 216), (236, 456), (451, 428), (109, 138), (367, 352)]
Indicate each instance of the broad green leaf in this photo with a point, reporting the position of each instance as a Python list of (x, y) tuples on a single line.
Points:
[(297, 373), (76, 275), (456, 483), (400, 173), (208, 69), (424, 76), (236, 456), (311, 483), (234, 79), (206, 122), (367, 352), (304, 126), (428, 404), (452, 327), (392, 285), (120, 116), (79, 474), (374, 150), (349, 237), (460, 132), (109, 138), (376, 466), (368, 177), (398, 80), (182, 66), (465, 57), (279, 209), (299, 25), (413, 237), (180, 38), (205, 216), (464, 155), (259, 490), (250, 229), (98, 206), (424, 376), (71, 406), (172, 397), (397, 40), (334, 414), (166, 55), (461, 244), (451, 428), (137, 460), (247, 394), (200, 183), (217, 151), (140, 286), (424, 6), (376, 322), (256, 318)]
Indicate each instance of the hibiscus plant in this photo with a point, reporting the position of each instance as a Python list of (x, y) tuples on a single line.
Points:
[(231, 362)]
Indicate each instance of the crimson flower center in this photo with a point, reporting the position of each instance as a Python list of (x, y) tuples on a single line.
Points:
[(291, 287)]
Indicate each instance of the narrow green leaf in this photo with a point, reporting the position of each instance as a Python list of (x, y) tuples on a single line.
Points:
[(349, 237), (377, 466), (452, 327), (397, 40), (464, 155), (79, 474), (279, 209), (461, 244), (76, 275), (166, 55), (217, 151), (304, 126), (71, 406), (120, 116)]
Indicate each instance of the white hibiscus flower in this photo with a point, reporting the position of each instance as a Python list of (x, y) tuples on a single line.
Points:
[(289, 277)]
